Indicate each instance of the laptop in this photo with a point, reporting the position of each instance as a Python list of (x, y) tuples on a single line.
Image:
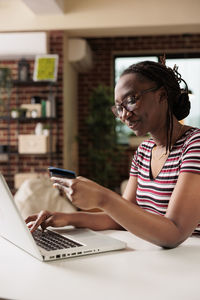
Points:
[(52, 244)]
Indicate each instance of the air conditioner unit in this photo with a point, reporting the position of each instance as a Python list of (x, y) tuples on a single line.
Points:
[(23, 44), (80, 55)]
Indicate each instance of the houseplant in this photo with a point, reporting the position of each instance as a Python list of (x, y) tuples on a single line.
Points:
[(102, 150), (5, 90)]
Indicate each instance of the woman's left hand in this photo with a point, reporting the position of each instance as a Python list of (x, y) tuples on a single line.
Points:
[(82, 192)]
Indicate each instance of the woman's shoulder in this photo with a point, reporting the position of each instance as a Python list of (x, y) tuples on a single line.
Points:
[(147, 144), (191, 137), (192, 133)]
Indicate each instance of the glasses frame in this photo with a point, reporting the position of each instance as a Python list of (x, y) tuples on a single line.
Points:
[(136, 98)]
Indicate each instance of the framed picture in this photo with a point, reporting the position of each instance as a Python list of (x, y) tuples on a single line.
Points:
[(46, 67)]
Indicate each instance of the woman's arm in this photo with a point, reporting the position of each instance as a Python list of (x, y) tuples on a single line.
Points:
[(102, 221), (182, 217), (92, 220), (95, 221), (183, 213)]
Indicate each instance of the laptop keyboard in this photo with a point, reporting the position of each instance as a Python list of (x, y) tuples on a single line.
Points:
[(52, 241)]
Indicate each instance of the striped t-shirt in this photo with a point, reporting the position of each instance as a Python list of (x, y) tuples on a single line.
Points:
[(153, 195)]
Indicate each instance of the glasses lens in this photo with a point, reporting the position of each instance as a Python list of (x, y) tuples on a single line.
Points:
[(129, 106), (117, 111)]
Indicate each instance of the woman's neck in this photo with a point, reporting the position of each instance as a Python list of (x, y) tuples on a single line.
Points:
[(159, 137)]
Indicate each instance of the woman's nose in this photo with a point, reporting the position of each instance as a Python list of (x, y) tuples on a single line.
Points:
[(125, 115)]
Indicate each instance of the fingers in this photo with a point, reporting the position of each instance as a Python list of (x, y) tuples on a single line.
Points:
[(68, 191), (46, 219), (65, 185), (31, 218), (47, 223), (39, 220), (69, 182), (72, 188), (63, 181)]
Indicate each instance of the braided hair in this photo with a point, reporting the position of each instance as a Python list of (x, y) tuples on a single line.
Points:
[(177, 98)]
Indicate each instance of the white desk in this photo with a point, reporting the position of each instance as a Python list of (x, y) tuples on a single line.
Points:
[(142, 271)]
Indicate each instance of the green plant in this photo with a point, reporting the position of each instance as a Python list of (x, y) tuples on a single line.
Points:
[(131, 134), (14, 109), (102, 150), (46, 126), (5, 89)]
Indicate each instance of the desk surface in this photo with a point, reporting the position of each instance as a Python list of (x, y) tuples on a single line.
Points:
[(142, 271)]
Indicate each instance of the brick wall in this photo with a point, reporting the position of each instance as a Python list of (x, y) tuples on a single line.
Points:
[(102, 72), (22, 94)]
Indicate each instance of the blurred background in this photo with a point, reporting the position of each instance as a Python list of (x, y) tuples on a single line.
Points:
[(59, 62)]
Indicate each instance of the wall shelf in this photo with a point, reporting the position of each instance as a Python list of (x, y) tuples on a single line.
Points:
[(11, 128), (24, 119), (33, 83)]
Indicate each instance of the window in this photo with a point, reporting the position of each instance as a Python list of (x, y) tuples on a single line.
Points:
[(188, 67)]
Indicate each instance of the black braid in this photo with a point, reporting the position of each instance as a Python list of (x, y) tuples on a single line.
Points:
[(170, 79)]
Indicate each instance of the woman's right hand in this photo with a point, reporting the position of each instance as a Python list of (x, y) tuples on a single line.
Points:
[(47, 218)]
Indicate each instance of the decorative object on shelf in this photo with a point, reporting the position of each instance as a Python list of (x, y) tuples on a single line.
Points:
[(43, 105), (18, 112), (46, 67), (23, 70), (3, 157), (35, 100), (34, 113), (5, 90), (51, 106), (42, 129), (22, 112), (46, 129), (39, 129), (36, 144), (24, 99), (32, 110), (14, 113), (4, 153)]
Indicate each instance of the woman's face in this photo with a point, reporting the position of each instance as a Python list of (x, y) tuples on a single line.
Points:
[(149, 111)]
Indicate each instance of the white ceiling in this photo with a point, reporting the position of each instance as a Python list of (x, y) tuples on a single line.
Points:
[(97, 18), (42, 7)]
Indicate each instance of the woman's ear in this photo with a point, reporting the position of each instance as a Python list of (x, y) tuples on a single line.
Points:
[(163, 94)]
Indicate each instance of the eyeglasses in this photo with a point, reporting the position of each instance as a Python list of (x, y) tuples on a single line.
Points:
[(129, 102)]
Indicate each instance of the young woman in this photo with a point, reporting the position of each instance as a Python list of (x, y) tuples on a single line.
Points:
[(161, 202)]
